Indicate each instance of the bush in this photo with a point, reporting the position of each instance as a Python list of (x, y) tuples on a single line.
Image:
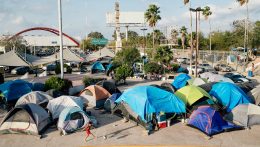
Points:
[(68, 69), (91, 81), (153, 67), (58, 84), (123, 72), (175, 67)]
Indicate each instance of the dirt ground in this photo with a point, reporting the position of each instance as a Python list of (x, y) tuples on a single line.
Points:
[(119, 133)]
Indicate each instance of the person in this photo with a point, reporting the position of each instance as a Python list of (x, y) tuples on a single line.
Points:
[(253, 69), (88, 132)]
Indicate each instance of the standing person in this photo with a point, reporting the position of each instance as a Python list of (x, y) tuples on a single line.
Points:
[(88, 127)]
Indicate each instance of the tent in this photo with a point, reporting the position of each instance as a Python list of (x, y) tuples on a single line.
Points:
[(145, 100), (110, 102), (36, 97), (229, 95), (168, 87), (109, 85), (13, 90), (55, 106), (180, 81), (72, 119), (197, 81), (26, 118), (95, 95), (246, 86), (244, 115), (206, 75), (209, 121), (219, 78), (97, 67), (255, 95), (193, 95), (37, 86), (207, 86)]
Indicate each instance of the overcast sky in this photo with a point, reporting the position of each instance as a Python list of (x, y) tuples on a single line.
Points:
[(83, 16)]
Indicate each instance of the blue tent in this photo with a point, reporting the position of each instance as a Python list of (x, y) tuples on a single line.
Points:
[(180, 81), (97, 66), (110, 102), (13, 90), (229, 95), (145, 100), (109, 66), (182, 70), (209, 121)]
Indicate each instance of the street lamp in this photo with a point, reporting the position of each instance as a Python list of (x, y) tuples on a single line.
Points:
[(197, 36), (61, 41)]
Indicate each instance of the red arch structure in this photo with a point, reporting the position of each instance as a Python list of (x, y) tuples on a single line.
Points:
[(54, 31)]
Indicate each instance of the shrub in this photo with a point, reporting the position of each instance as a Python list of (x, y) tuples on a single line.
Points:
[(68, 69), (58, 84), (153, 67), (122, 72), (175, 67), (91, 81)]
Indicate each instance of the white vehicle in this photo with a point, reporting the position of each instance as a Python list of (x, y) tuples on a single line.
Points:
[(207, 67), (181, 60), (199, 69)]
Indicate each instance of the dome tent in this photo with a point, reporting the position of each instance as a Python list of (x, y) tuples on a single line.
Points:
[(180, 81)]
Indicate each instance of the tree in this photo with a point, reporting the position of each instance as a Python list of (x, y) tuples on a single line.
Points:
[(16, 42), (256, 35), (164, 55), (128, 56), (95, 35), (122, 72), (152, 17), (206, 12), (152, 68), (183, 32), (174, 36)]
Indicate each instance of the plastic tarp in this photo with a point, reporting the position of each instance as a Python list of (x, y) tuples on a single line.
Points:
[(72, 119), (145, 100), (36, 97), (13, 90), (55, 106), (191, 94), (255, 95), (229, 95), (209, 121), (245, 115), (180, 81), (197, 81), (97, 66)]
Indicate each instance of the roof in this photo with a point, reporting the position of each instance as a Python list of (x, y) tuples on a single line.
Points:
[(12, 59), (102, 53), (47, 41)]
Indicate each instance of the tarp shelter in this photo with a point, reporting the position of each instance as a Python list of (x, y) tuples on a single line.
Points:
[(180, 81), (13, 90), (246, 86), (145, 100), (206, 75), (95, 95), (36, 97), (72, 119), (68, 55), (244, 115), (97, 67), (209, 121), (219, 78), (208, 86), (26, 118), (110, 102), (12, 58), (168, 87), (109, 85), (255, 95), (229, 95), (193, 95), (197, 81), (55, 106)]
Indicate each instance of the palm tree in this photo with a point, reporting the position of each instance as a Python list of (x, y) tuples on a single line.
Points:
[(152, 17), (183, 32), (174, 34), (206, 12)]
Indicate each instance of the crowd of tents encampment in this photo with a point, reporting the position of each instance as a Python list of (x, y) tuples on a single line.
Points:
[(210, 106)]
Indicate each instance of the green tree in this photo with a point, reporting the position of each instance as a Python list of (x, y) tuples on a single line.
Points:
[(17, 43), (128, 56), (164, 55), (183, 32), (153, 68), (86, 45), (256, 35), (95, 35), (122, 72), (174, 36), (152, 17)]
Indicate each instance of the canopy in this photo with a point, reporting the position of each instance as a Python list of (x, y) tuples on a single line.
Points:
[(68, 55), (180, 81), (255, 95), (55, 106), (13, 90), (12, 58), (229, 95), (191, 94), (197, 81), (101, 53), (144, 100), (209, 121), (244, 115), (26, 118), (36, 97)]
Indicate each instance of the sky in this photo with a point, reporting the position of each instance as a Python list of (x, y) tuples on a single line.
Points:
[(81, 17)]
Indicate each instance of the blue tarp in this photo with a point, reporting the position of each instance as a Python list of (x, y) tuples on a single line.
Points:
[(181, 70), (229, 95), (115, 96), (109, 66), (180, 81), (209, 121), (13, 90), (145, 100), (97, 66)]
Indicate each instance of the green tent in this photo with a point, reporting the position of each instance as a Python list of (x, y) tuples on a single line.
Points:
[(192, 94), (197, 81)]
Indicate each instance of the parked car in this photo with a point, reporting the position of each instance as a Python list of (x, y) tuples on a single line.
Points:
[(236, 77), (199, 69), (49, 67), (182, 60), (21, 70), (222, 67), (208, 68)]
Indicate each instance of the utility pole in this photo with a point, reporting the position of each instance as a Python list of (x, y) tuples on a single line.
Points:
[(61, 40), (191, 44)]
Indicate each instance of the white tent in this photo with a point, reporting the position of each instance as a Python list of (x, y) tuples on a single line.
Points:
[(12, 59)]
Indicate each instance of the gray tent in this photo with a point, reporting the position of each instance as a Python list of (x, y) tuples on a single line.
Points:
[(36, 97), (27, 118), (244, 115), (255, 95)]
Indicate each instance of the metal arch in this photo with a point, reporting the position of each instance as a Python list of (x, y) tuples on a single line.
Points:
[(54, 31)]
